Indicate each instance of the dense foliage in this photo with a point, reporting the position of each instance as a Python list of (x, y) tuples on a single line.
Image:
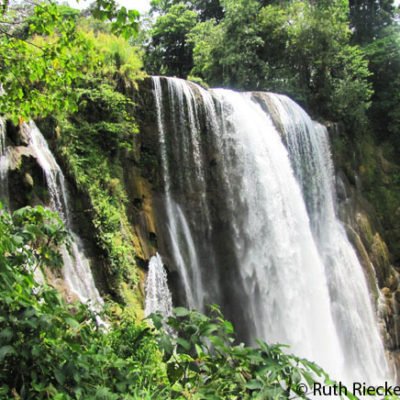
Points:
[(44, 56), (52, 350), (203, 361), (368, 17), (340, 59), (90, 142), (281, 46)]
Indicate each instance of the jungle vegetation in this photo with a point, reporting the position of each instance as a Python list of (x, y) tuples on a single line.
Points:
[(78, 69)]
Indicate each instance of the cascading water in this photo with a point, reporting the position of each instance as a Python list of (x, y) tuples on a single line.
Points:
[(181, 240), (308, 145), (281, 270), (158, 296), (76, 268), (273, 241), (4, 161)]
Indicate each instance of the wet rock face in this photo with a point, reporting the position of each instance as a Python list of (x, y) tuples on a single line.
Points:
[(144, 181), (26, 183), (27, 186)]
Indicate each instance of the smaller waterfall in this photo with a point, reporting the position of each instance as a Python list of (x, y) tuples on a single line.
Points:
[(2, 137), (4, 163), (182, 243), (158, 296), (76, 270)]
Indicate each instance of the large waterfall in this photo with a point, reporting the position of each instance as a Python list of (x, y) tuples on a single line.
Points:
[(76, 267), (252, 225)]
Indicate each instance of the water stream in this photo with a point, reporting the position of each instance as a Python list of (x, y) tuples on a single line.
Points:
[(4, 163), (252, 225), (76, 268), (308, 145)]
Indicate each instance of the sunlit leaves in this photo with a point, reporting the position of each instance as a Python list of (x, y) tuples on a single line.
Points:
[(44, 57), (123, 21), (38, 72)]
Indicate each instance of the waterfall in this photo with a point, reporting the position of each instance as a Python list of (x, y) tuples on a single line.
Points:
[(279, 262), (76, 267), (308, 145), (4, 161), (184, 249), (158, 296), (252, 226)]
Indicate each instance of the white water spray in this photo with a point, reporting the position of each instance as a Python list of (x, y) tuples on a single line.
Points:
[(308, 145), (183, 247), (4, 163), (158, 296)]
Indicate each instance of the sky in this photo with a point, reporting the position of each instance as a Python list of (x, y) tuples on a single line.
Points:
[(140, 5)]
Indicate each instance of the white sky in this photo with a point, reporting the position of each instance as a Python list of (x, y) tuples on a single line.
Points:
[(140, 5)]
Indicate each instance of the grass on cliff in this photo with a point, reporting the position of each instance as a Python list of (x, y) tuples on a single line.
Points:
[(90, 142)]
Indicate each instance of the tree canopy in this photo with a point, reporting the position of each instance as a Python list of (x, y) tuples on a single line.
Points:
[(45, 55)]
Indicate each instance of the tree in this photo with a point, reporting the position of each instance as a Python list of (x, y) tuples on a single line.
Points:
[(332, 74), (169, 52), (169, 49), (369, 17), (284, 47), (228, 53), (206, 9), (384, 62), (43, 55), (39, 61)]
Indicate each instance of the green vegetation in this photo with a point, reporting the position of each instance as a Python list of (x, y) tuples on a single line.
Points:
[(339, 59), (44, 56), (300, 48), (78, 73), (171, 55), (369, 17), (52, 350), (91, 141), (203, 361)]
